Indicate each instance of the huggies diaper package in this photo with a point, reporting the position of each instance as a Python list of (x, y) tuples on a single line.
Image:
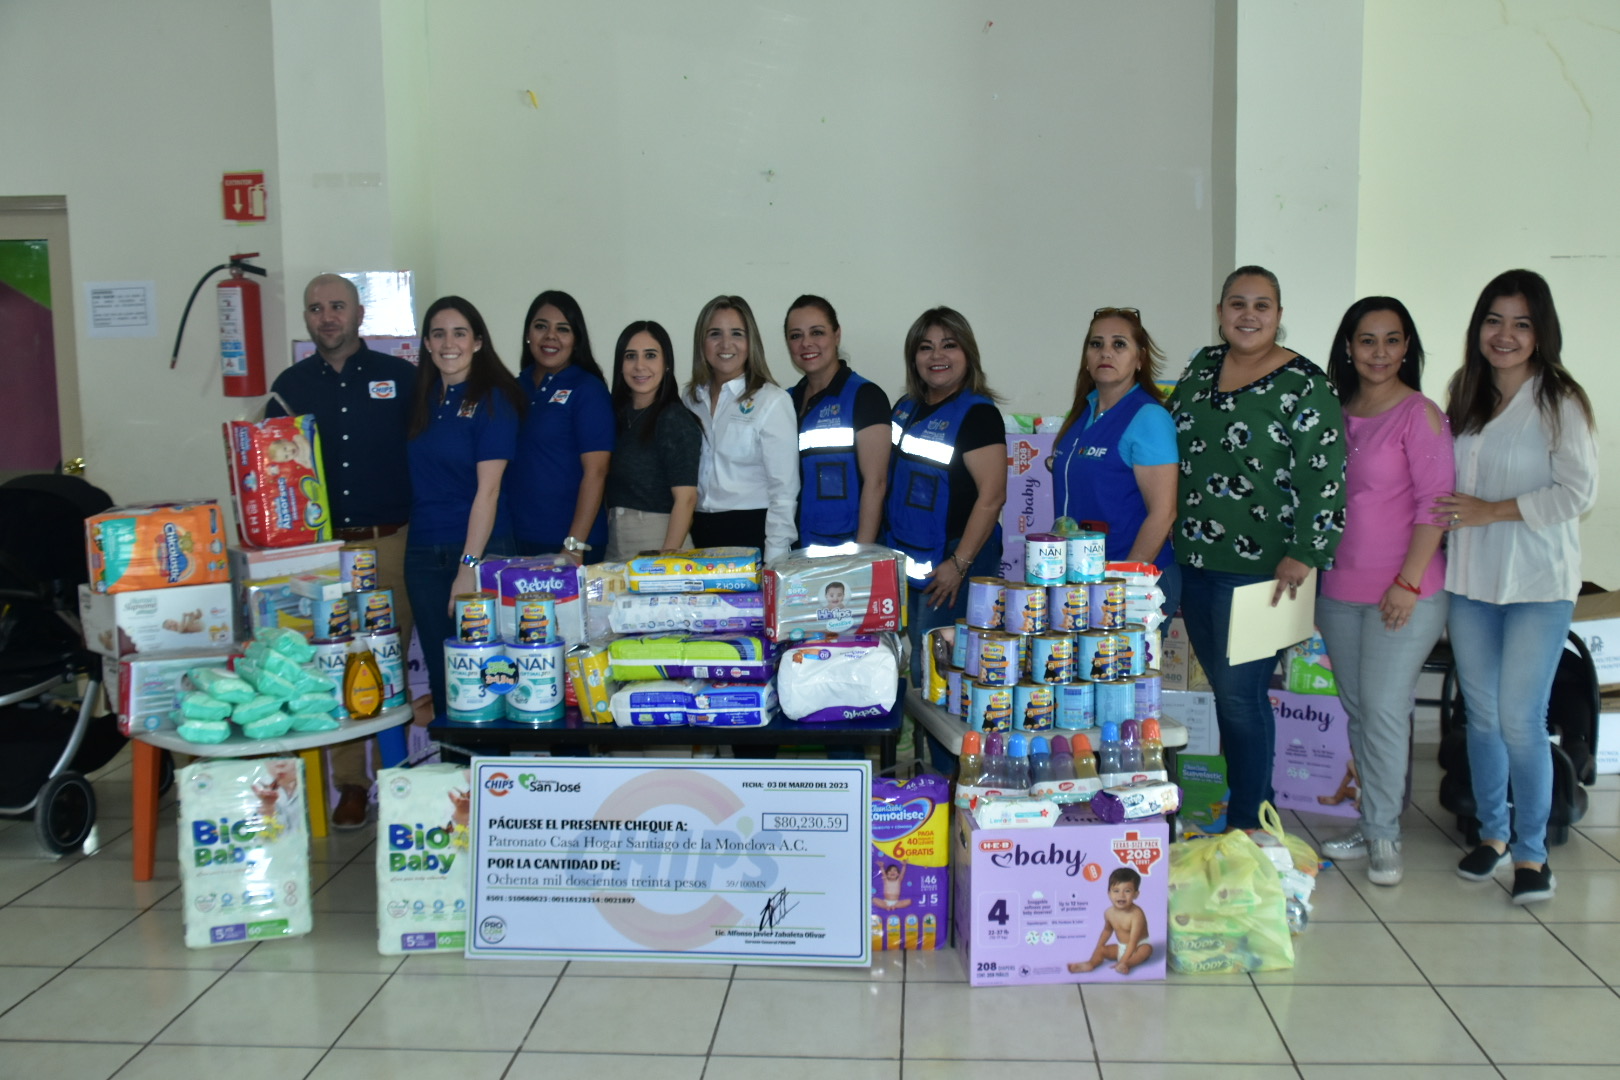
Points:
[(244, 850), (910, 848), (696, 613), (814, 596), (541, 577), (277, 481), (720, 569), (732, 657), (422, 859), (156, 546), (848, 679)]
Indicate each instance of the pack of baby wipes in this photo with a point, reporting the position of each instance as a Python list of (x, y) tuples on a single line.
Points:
[(857, 591), (244, 850), (847, 679), (422, 859), (697, 613)]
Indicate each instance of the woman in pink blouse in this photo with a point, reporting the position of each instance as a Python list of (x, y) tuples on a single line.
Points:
[(1383, 605)]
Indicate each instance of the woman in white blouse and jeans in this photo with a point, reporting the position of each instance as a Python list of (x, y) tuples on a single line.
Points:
[(1526, 472)]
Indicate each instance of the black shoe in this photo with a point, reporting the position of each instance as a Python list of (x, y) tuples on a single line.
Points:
[(1530, 886), (1481, 863)]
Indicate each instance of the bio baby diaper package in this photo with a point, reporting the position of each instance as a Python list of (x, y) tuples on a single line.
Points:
[(277, 481), (244, 851), (422, 859), (848, 679), (815, 596), (156, 546), (910, 849)]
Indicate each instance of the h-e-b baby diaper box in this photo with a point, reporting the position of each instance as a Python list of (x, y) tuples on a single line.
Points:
[(1081, 901)]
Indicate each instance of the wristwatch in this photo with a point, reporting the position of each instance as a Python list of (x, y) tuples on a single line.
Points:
[(470, 560), (571, 544)]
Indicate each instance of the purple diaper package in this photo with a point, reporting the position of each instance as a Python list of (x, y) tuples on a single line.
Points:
[(846, 679), (911, 846)]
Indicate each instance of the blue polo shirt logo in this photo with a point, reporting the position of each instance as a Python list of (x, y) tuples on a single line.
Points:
[(382, 389), (560, 397)]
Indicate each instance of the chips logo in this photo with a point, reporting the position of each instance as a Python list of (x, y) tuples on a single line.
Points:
[(1021, 455), (560, 397), (499, 784), (382, 389), (1135, 851)]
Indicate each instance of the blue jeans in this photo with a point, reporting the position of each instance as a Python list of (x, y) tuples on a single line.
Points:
[(920, 618), (1377, 670), (430, 573), (1242, 691), (1170, 585), (1506, 656)]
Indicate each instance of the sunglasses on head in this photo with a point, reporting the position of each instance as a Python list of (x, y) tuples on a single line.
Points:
[(1132, 312)]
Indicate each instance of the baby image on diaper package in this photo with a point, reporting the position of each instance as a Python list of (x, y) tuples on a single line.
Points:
[(910, 848), (244, 851), (422, 860)]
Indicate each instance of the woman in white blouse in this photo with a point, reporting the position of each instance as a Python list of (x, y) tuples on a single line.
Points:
[(1526, 472), (748, 476)]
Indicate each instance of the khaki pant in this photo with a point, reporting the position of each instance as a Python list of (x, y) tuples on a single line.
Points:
[(630, 532), (349, 761)]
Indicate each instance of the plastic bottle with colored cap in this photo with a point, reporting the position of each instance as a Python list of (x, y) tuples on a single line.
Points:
[(1040, 761), (1130, 749), (1085, 768), (1153, 751), (1109, 766), (1017, 760)]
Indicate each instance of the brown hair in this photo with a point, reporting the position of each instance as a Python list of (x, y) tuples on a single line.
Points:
[(1147, 364), (955, 324)]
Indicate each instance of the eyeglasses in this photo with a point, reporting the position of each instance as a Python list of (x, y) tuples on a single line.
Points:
[(1132, 312)]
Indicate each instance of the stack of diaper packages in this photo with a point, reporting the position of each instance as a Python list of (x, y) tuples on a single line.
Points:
[(273, 689), (691, 650), (423, 854), (244, 851)]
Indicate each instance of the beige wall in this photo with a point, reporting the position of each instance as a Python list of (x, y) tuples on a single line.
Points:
[(1490, 139)]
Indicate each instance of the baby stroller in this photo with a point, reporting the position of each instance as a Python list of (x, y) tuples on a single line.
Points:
[(49, 733), (1572, 718)]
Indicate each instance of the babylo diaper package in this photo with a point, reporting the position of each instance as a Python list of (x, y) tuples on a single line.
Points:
[(422, 859), (911, 845), (244, 851)]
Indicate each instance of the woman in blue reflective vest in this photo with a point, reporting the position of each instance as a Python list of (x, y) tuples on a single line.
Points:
[(843, 433), (948, 475), (1116, 464)]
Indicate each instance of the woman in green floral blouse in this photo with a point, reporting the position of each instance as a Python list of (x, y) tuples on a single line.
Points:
[(1261, 498)]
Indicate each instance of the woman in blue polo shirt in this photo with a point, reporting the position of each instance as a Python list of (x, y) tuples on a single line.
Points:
[(1116, 464), (555, 483), (843, 433), (463, 431)]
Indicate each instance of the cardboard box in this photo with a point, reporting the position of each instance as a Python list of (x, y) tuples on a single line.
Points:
[(149, 687), (1608, 738), (1307, 669), (1028, 508), (1597, 624), (1205, 793), (1178, 667), (1032, 902), (1311, 767), (258, 564), (155, 620), (1195, 711), (272, 602)]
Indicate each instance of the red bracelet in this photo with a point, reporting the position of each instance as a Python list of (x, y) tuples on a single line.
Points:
[(1413, 589)]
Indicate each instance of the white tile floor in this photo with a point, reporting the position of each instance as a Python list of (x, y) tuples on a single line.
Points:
[(1435, 975)]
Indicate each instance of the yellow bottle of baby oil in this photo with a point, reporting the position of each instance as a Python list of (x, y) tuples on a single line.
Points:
[(362, 683)]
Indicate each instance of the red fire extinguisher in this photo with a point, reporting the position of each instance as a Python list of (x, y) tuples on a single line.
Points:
[(241, 327)]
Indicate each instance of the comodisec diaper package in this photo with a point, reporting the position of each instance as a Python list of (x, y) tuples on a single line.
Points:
[(244, 851), (911, 846), (423, 846)]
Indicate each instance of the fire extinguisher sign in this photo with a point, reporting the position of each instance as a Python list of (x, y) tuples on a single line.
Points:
[(244, 196)]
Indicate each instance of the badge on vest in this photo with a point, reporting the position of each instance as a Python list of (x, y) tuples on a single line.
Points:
[(382, 390), (560, 397)]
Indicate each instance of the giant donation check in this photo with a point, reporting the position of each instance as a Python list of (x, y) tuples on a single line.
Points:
[(730, 862)]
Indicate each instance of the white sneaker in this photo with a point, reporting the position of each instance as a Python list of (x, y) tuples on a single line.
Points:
[(1384, 861), (1352, 845)]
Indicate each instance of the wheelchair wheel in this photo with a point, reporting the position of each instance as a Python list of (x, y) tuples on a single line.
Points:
[(65, 813), (165, 773)]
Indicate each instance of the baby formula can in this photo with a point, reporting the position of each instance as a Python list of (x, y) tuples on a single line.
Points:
[(959, 644), (1045, 559), (536, 620), (1067, 607), (998, 658), (331, 657), (1116, 701), (953, 691), (1107, 604), (970, 662), (990, 708), (1148, 696), (1051, 658), (358, 564), (538, 696), (1034, 706), (475, 617), (477, 679), (984, 602), (1026, 609), (373, 610), (1095, 655), (588, 668), (1134, 652), (385, 646), (1152, 642), (1076, 705), (1086, 557)]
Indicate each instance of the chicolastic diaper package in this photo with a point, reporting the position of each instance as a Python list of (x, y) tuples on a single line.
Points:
[(719, 569), (911, 844), (244, 850), (816, 596), (277, 481), (847, 679), (422, 859), (156, 546)]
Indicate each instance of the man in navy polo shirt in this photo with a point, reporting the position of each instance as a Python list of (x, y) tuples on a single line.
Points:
[(361, 402)]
